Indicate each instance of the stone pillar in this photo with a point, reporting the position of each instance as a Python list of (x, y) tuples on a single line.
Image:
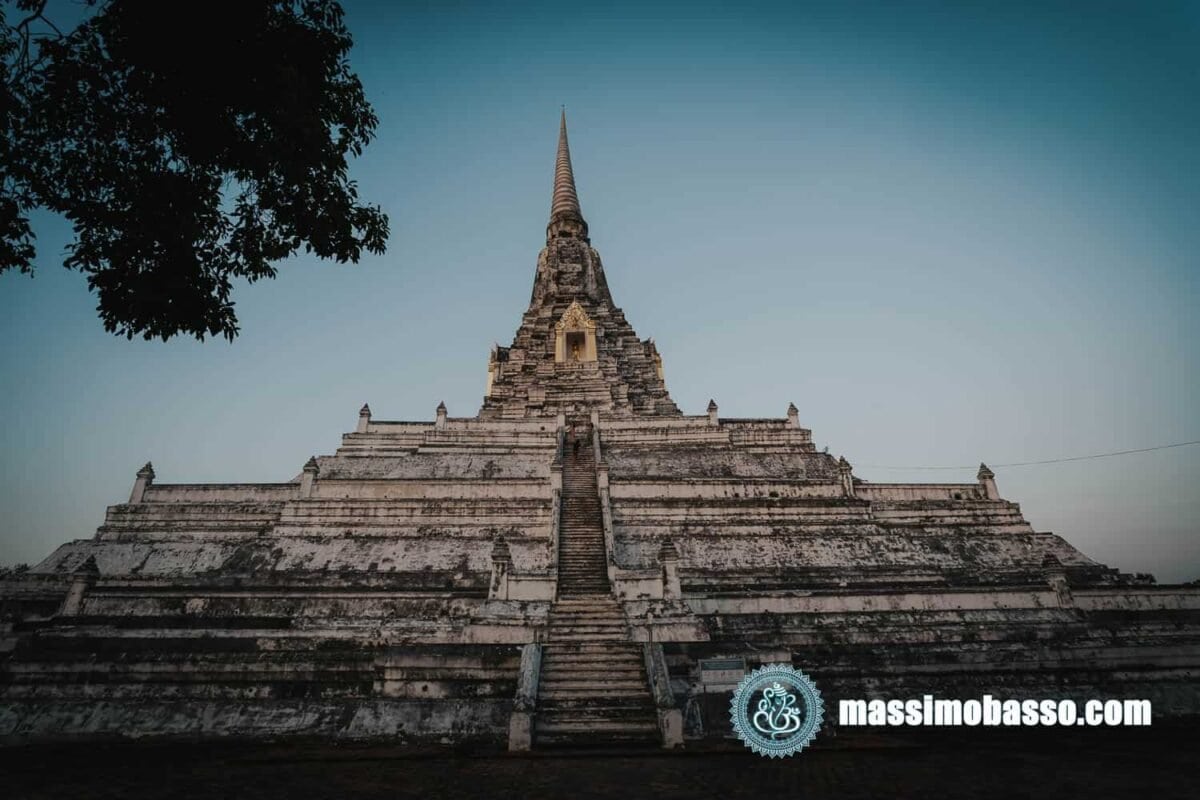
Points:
[(1056, 576), (145, 477), (309, 476), (501, 566), (712, 413), (668, 556), (440, 421), (987, 482), (364, 419), (846, 474), (520, 722), (793, 415), (670, 718), (82, 579)]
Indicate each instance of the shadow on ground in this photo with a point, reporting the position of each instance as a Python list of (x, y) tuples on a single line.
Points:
[(1145, 763)]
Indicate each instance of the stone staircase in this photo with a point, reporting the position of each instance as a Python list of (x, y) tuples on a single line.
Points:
[(593, 690), (582, 559)]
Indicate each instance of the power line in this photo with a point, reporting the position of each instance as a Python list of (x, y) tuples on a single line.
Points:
[(1051, 460)]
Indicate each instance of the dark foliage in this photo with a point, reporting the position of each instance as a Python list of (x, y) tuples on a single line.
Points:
[(189, 144)]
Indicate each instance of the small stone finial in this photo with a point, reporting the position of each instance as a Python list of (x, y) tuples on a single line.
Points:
[(987, 482), (364, 419), (365, 411), (712, 413), (500, 551), (88, 567), (712, 406), (792, 410), (83, 578), (309, 476), (441, 408), (441, 414), (144, 478), (668, 551), (845, 473)]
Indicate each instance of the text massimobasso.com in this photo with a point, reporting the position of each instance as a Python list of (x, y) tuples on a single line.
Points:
[(928, 711)]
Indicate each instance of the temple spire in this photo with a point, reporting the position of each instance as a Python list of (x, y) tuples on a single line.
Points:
[(566, 219)]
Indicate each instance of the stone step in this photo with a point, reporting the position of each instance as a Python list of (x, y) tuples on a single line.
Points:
[(585, 618), (583, 725), (621, 636), (587, 695), (596, 599), (606, 707), (593, 660), (554, 684), (602, 651), (618, 665), (582, 630), (614, 685)]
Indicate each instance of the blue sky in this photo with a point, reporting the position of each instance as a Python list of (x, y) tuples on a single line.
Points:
[(948, 233)]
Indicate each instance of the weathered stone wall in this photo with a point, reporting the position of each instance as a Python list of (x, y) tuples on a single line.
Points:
[(361, 599)]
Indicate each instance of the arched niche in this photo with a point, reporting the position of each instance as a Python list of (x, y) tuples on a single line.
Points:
[(575, 336)]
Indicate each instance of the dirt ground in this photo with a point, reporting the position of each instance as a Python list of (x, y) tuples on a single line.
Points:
[(1145, 763)]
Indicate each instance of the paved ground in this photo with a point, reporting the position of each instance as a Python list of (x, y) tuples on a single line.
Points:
[(1148, 764)]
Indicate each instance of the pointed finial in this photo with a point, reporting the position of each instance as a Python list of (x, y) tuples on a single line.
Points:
[(311, 465), (441, 408), (365, 411), (984, 472), (843, 464), (792, 410), (565, 214), (712, 405), (146, 471)]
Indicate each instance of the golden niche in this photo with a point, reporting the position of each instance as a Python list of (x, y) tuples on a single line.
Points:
[(575, 336)]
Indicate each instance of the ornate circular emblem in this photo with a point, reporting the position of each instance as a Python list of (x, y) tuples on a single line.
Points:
[(776, 710)]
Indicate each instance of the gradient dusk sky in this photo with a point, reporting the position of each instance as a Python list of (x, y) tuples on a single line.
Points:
[(950, 233)]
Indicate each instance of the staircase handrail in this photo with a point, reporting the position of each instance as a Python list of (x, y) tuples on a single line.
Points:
[(556, 501), (605, 503)]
